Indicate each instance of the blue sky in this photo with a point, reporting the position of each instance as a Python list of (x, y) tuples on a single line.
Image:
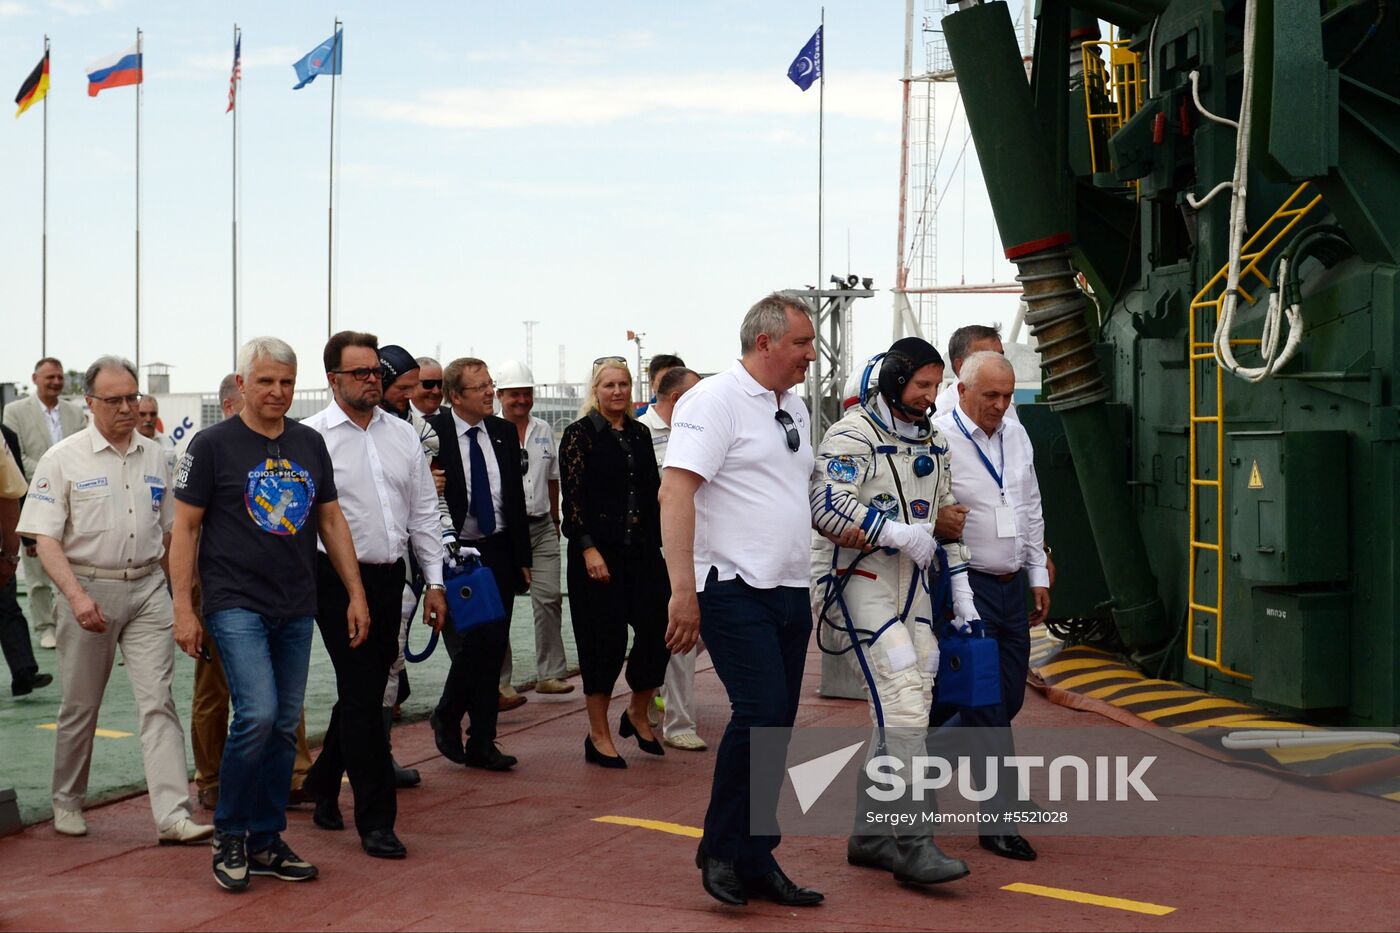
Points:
[(594, 167)]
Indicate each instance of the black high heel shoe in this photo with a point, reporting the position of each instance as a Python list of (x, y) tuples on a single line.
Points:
[(625, 729), (593, 756)]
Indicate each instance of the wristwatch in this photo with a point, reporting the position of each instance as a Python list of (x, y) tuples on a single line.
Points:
[(435, 586), (10, 558)]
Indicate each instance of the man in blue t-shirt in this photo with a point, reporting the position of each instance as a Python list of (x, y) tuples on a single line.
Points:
[(246, 493)]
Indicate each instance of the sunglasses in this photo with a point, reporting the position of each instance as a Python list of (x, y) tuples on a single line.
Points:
[(794, 440), (274, 450), (430, 384), (360, 374), (610, 359)]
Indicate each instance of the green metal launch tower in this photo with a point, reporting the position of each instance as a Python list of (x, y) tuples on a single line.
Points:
[(1204, 208)]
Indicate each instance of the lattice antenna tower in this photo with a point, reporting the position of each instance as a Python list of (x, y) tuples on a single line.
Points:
[(530, 344)]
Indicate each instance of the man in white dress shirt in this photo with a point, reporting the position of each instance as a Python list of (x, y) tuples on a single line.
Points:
[(515, 390), (974, 338), (994, 477), (677, 717), (41, 420), (389, 502)]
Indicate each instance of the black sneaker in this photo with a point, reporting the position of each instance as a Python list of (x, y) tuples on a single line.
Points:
[(231, 862), (279, 861)]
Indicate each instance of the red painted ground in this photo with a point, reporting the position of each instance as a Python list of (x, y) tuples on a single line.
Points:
[(520, 851)]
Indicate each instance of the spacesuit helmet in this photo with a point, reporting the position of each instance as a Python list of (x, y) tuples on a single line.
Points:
[(904, 358)]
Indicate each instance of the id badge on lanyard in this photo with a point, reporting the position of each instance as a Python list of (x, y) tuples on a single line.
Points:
[(1005, 514)]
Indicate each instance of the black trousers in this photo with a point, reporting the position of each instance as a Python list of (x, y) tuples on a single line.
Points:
[(1002, 606), (636, 596), (14, 635), (757, 639), (355, 741), (473, 682)]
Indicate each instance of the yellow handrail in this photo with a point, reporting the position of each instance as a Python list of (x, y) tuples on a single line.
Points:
[(1200, 353)]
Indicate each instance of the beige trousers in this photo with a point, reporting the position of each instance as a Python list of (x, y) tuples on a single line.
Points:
[(40, 590), (140, 619)]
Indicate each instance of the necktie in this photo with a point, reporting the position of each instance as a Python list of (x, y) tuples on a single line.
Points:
[(481, 508)]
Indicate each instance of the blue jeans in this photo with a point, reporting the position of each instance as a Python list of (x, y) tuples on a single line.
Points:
[(758, 642), (265, 660)]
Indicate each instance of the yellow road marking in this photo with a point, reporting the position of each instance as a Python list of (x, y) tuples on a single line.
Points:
[(1153, 696), (1241, 719), (1103, 693), (675, 829), (1097, 900), (1093, 677), (105, 733), (1197, 706), (1289, 756), (1076, 664)]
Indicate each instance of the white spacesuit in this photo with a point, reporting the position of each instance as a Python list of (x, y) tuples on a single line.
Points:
[(888, 476)]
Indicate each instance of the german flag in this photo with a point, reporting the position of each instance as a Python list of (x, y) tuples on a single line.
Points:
[(35, 87)]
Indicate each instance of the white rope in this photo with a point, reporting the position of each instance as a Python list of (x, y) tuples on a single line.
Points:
[(1275, 312), (1196, 99)]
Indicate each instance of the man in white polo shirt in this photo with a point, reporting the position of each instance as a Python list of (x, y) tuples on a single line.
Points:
[(735, 526), (994, 476)]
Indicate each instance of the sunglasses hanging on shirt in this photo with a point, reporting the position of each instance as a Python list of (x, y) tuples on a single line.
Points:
[(794, 440)]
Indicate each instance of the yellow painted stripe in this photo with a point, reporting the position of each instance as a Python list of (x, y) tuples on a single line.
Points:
[(1240, 719), (104, 733), (1208, 703), (1097, 900), (1153, 696), (1103, 693), (1395, 795), (675, 829), (1290, 756), (1093, 677), (1076, 664)]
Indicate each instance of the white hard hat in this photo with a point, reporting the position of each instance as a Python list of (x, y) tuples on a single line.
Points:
[(513, 374)]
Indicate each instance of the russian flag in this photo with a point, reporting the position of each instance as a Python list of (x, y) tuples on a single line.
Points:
[(117, 70)]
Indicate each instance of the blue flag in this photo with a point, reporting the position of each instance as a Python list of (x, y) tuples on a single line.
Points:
[(322, 60), (807, 66)]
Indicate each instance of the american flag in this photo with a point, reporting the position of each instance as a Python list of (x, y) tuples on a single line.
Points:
[(237, 71)]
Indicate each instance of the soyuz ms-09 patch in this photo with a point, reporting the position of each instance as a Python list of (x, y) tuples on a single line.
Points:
[(919, 508), (842, 469), (885, 504)]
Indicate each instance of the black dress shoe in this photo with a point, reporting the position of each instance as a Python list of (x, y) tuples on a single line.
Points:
[(29, 684), (595, 757), (488, 758), (1013, 846), (448, 740), (382, 843), (720, 879), (780, 889), (327, 814), (406, 777), (625, 729)]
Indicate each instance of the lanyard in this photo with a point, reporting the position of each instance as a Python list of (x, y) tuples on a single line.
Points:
[(986, 461)]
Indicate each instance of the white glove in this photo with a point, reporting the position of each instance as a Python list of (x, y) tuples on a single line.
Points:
[(454, 554), (913, 541), (964, 609)]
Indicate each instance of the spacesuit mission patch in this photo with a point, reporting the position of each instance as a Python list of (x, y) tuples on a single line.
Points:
[(842, 469)]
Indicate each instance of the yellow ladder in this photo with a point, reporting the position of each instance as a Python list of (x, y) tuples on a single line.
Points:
[(1120, 85), (1204, 315)]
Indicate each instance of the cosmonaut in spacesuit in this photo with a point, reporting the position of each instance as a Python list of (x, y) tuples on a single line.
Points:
[(884, 469)]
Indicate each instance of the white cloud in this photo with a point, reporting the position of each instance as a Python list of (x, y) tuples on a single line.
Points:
[(201, 64), (389, 176), (12, 8), (599, 101)]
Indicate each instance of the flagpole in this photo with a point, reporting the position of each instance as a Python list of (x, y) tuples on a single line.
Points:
[(44, 240), (138, 205), (330, 207), (821, 116), (237, 105)]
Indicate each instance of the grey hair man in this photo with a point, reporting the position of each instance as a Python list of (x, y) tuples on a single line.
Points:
[(99, 513), (41, 420), (740, 446), (993, 469), (253, 493)]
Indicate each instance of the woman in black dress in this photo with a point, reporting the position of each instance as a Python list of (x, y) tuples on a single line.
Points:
[(616, 577)]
